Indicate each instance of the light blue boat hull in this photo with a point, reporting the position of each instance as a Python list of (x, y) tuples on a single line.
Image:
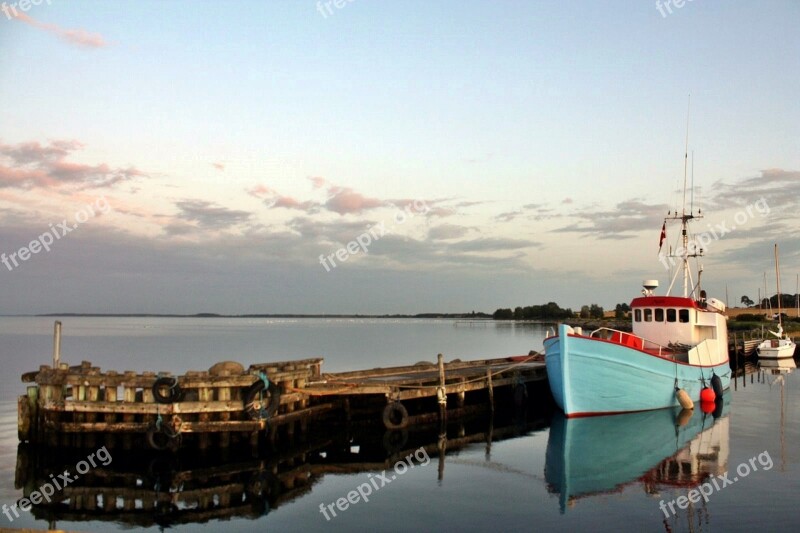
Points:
[(590, 376)]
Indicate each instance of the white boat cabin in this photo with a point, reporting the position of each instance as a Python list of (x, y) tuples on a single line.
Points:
[(697, 326)]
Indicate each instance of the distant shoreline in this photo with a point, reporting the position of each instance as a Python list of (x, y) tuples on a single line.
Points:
[(462, 316)]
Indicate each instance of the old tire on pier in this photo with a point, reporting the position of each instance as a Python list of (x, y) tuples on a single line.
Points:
[(167, 390), (395, 416), (262, 402)]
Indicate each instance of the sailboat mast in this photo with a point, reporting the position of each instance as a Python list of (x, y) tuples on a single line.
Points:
[(778, 283)]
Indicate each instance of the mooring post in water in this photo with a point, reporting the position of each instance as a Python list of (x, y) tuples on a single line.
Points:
[(441, 392), (491, 388), (57, 344)]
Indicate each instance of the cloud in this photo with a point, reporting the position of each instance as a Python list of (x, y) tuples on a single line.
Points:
[(492, 244), (470, 203), (445, 232), (273, 199), (779, 187), (291, 203), (29, 165), (629, 217), (317, 182), (206, 215), (508, 216), (344, 200), (79, 37)]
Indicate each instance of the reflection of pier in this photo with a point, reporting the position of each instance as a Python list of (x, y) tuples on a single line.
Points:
[(162, 488)]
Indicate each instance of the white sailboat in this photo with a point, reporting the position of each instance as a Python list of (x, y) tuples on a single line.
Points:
[(781, 347)]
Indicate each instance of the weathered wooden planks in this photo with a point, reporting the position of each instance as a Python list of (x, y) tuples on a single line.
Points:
[(76, 404)]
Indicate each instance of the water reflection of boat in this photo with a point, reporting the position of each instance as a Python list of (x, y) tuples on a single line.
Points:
[(665, 447), (777, 366)]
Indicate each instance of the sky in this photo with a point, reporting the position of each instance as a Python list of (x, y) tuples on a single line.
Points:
[(374, 157)]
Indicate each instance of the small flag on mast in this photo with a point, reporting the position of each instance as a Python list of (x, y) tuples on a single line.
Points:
[(663, 236)]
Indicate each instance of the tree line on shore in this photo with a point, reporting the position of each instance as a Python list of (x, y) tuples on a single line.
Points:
[(553, 311)]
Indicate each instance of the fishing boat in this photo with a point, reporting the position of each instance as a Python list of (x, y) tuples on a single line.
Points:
[(781, 347), (678, 347)]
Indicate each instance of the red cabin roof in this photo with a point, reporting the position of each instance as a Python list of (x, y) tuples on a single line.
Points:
[(663, 301)]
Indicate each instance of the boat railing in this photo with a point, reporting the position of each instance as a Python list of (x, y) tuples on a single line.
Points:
[(631, 340)]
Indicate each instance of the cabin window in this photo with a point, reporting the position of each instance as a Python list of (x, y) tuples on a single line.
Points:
[(672, 316), (659, 315), (683, 314), (637, 315), (648, 315)]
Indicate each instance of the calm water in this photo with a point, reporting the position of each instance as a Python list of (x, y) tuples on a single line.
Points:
[(607, 474)]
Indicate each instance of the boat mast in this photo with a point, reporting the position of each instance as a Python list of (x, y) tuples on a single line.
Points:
[(778, 284), (685, 218), (684, 233), (768, 307)]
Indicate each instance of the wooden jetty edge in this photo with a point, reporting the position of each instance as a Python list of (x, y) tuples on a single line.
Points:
[(82, 406)]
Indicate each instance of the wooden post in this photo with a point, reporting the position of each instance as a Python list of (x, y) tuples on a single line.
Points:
[(80, 395), (491, 388), (288, 385), (204, 394), (33, 412), (110, 395), (224, 395), (92, 395), (129, 398), (461, 394), (57, 344), (442, 390)]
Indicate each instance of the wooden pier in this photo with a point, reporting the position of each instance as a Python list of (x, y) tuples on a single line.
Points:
[(81, 406)]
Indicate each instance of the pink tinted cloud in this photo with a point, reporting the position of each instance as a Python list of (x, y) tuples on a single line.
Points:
[(317, 182), (344, 200), (261, 191), (275, 200), (77, 36), (291, 203), (31, 164)]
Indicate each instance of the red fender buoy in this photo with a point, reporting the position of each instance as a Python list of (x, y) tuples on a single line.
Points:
[(707, 395)]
